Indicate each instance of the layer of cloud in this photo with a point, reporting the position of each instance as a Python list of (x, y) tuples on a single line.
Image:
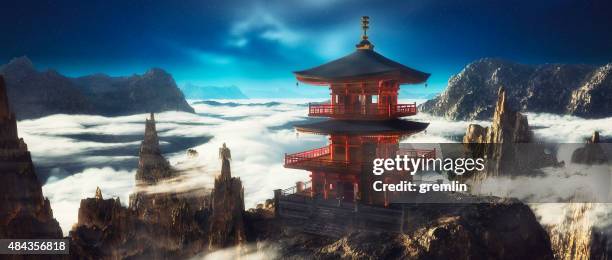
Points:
[(258, 135)]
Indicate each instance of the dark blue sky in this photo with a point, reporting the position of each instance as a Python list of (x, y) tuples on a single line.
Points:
[(256, 44)]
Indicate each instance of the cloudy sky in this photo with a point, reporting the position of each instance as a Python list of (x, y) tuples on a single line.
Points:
[(256, 44)]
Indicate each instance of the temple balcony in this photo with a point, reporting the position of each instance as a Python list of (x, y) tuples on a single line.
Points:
[(320, 159), (374, 112), (317, 159)]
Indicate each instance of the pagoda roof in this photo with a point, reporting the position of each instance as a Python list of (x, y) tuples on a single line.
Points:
[(362, 64), (353, 127)]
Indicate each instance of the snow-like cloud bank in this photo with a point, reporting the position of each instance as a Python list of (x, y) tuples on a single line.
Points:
[(258, 133)]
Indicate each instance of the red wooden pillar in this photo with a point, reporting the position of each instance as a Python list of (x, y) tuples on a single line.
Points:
[(347, 155)]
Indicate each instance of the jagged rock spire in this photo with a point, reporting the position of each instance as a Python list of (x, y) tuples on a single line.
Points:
[(98, 193), (151, 140), (227, 224), (152, 166), (595, 137), (225, 156)]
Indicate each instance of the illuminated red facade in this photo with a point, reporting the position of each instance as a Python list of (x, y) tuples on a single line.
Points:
[(364, 123)]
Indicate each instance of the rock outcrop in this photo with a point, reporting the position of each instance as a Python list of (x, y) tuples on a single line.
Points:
[(154, 225), (35, 94), (24, 211), (227, 221), (505, 144), (501, 230), (591, 153), (161, 223), (152, 166), (580, 90)]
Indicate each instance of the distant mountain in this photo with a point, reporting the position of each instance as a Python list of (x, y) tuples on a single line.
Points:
[(35, 94), (581, 90), (211, 92)]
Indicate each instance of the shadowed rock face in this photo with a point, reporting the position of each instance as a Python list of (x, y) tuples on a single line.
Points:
[(499, 230), (24, 211), (579, 90), (36, 94)]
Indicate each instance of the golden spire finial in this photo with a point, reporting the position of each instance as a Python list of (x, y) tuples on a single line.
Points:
[(365, 25), (365, 44)]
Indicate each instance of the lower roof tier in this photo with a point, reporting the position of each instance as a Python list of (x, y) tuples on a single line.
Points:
[(363, 127)]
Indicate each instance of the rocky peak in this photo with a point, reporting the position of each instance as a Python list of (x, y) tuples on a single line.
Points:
[(18, 68), (594, 138), (98, 194), (498, 143), (150, 144), (225, 155), (157, 74), (20, 63), (24, 211), (591, 153), (508, 125), (227, 227), (152, 166), (575, 89)]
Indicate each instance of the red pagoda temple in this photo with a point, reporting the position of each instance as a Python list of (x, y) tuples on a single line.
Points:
[(364, 124)]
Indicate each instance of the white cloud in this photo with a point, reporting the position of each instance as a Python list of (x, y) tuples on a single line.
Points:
[(266, 25), (249, 130)]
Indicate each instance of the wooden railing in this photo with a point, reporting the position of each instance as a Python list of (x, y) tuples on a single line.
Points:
[(306, 155), (321, 157), (364, 112)]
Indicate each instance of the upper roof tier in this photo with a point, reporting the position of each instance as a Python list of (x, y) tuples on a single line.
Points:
[(363, 64)]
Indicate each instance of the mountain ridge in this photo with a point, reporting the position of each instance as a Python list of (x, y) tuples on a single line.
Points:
[(572, 89), (40, 93)]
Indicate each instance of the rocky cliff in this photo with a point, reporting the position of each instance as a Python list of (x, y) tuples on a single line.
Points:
[(24, 211), (580, 90), (34, 93), (504, 143)]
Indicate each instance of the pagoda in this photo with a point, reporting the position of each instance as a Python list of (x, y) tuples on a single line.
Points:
[(364, 123)]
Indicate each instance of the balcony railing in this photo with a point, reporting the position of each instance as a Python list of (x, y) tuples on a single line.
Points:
[(321, 158), (316, 158), (362, 112), (306, 155)]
